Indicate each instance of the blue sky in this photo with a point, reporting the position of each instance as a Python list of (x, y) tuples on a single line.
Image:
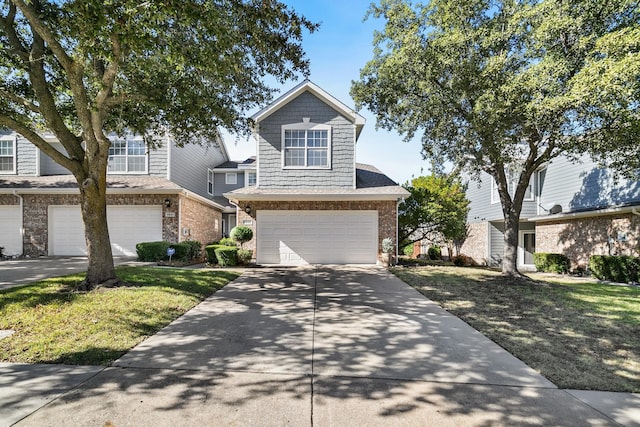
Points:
[(337, 51)]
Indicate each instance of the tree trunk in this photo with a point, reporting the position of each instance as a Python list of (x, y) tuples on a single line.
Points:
[(510, 257), (93, 205)]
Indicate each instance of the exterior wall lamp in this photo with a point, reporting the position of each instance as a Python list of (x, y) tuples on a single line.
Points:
[(167, 203), (247, 209)]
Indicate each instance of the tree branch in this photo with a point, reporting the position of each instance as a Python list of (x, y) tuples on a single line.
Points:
[(19, 100), (8, 27)]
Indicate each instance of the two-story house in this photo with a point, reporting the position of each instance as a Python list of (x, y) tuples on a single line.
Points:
[(309, 201), (572, 207), (153, 194)]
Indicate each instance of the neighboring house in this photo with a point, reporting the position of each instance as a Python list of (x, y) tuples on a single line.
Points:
[(311, 202), (573, 208), (152, 194)]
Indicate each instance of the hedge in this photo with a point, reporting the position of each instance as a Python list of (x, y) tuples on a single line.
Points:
[(227, 256), (622, 269), (157, 251), (434, 252), (244, 256), (551, 263)]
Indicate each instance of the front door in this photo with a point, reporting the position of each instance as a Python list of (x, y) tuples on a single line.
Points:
[(527, 247)]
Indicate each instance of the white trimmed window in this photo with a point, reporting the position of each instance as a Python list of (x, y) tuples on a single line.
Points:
[(231, 178), (529, 195), (306, 145), (251, 178), (127, 156), (7, 155), (210, 181)]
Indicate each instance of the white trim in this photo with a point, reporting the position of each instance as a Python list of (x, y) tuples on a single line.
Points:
[(228, 176), (128, 139), (305, 126), (211, 179), (314, 197), (494, 186), (11, 138), (585, 214), (521, 234)]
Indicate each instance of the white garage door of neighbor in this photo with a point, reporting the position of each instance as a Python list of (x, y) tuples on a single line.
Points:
[(317, 237), (10, 226), (128, 225)]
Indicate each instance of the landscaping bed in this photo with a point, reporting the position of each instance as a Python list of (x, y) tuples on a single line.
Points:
[(55, 324), (578, 334)]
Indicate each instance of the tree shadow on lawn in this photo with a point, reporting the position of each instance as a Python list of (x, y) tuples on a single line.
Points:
[(581, 336)]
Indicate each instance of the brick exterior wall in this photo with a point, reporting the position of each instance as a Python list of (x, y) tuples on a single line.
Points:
[(583, 237), (387, 214), (201, 219), (475, 246)]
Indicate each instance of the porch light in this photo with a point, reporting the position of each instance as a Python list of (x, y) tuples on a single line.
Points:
[(248, 210), (167, 203)]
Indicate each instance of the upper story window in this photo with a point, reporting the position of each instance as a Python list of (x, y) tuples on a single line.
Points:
[(231, 178), (210, 178), (127, 156), (251, 178), (529, 195), (306, 145), (8, 155)]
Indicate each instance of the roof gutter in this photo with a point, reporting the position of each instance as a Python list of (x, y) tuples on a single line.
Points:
[(586, 214), (313, 197)]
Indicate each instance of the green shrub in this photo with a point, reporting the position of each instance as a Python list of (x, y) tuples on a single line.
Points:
[(227, 256), (463, 261), (244, 256), (211, 252), (434, 252), (152, 251), (241, 234), (622, 269), (551, 263), (408, 250), (226, 241), (195, 249)]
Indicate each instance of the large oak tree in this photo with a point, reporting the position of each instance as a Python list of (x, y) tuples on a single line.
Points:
[(86, 69), (503, 86)]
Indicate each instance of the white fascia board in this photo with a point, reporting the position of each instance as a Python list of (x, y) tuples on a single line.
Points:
[(313, 197), (585, 214)]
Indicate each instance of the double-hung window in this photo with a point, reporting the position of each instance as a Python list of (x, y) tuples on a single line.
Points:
[(251, 178), (529, 194), (306, 145), (210, 178), (8, 155), (127, 156)]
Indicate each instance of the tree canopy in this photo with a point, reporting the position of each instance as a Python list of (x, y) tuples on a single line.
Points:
[(437, 206), (503, 86), (84, 69)]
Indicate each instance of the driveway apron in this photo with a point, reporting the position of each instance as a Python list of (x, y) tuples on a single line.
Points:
[(321, 346)]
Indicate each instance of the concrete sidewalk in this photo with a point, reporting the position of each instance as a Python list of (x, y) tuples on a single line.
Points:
[(334, 345)]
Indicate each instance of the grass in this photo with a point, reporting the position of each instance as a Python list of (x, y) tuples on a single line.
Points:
[(578, 334), (55, 324)]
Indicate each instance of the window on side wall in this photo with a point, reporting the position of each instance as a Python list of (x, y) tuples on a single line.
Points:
[(231, 178), (306, 146), (8, 155), (251, 178), (210, 181), (529, 194), (127, 156)]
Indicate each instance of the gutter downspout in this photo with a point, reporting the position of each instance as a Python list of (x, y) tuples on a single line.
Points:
[(397, 210), (15, 193)]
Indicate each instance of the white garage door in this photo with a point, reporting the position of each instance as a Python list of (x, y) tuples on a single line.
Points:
[(10, 226), (128, 225), (317, 237)]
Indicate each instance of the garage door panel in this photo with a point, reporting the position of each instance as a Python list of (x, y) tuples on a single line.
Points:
[(128, 225), (298, 237), (10, 230)]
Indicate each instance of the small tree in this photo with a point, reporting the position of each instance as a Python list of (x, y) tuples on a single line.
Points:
[(241, 234)]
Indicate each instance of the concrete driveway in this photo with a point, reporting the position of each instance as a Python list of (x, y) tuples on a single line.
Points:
[(321, 346), (26, 270)]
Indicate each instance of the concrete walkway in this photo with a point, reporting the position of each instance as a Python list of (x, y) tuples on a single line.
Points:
[(342, 346)]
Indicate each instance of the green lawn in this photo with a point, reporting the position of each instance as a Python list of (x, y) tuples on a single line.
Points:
[(578, 334), (55, 324)]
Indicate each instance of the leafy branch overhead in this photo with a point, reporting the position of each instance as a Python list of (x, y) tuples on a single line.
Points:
[(85, 69)]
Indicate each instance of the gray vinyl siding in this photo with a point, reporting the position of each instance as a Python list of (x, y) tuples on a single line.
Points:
[(580, 186), (48, 166), (189, 165), (158, 160), (481, 208), (496, 243), (26, 162), (220, 187), (341, 173)]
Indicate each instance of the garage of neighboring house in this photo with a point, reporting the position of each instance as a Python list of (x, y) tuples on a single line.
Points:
[(10, 229), (317, 237), (128, 225)]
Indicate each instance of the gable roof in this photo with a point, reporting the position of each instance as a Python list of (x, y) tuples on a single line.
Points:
[(308, 86)]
